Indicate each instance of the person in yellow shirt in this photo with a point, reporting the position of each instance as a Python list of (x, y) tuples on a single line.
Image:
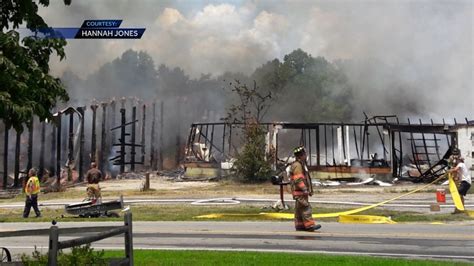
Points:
[(32, 190)]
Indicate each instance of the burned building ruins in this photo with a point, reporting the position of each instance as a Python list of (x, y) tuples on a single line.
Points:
[(119, 135), (381, 147)]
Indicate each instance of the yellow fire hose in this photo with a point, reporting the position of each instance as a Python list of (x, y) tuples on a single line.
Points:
[(347, 216)]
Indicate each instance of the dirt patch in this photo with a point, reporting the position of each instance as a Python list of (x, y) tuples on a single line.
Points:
[(156, 183)]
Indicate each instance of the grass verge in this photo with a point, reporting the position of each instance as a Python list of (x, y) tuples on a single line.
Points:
[(187, 212), (164, 257)]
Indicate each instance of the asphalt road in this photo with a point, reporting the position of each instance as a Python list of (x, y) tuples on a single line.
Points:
[(447, 241)]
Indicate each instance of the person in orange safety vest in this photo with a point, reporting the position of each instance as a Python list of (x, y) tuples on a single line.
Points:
[(302, 189), (32, 190)]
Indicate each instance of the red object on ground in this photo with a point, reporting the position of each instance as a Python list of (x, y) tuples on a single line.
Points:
[(441, 195)]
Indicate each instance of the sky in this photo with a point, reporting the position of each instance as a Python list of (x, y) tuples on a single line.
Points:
[(400, 51)]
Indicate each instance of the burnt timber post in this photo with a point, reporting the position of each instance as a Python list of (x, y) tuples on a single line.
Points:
[(111, 122), (223, 139), (30, 144), (122, 141), (17, 158), (5, 155), (132, 152), (70, 155), (152, 141), (318, 150), (52, 162), (230, 139), (394, 155), (94, 134), (143, 134), (103, 140), (58, 151), (41, 159), (81, 144), (160, 147)]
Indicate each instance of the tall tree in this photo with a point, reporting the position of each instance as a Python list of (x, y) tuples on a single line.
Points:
[(26, 87), (305, 88)]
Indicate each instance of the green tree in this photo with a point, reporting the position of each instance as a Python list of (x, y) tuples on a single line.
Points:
[(26, 87), (305, 88), (133, 69), (251, 162)]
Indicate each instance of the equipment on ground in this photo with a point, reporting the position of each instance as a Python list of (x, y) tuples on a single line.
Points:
[(91, 208)]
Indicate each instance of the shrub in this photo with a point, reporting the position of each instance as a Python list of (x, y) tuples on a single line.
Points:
[(82, 255)]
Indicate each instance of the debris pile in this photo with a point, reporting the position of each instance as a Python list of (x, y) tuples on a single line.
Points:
[(358, 182), (131, 175)]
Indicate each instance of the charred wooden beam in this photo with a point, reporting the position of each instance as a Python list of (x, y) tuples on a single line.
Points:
[(42, 149), (94, 134), (126, 124), (70, 155), (152, 139), (361, 141), (132, 152), (401, 149), (200, 133), (332, 144), (112, 120), (425, 147), (212, 140), (355, 142), (127, 144), (325, 145), (122, 141), (223, 139), (52, 158), (143, 133), (436, 142), (29, 164), (81, 144), (368, 144), (58, 150), (160, 143), (189, 147), (188, 143), (410, 128), (103, 140), (343, 137), (394, 161), (16, 179), (230, 140), (5, 155), (309, 145), (318, 150)]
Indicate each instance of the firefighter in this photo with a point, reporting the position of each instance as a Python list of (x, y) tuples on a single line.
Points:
[(32, 189), (93, 177), (301, 189), (463, 177)]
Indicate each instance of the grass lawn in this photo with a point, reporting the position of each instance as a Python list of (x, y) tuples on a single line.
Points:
[(164, 257), (186, 212)]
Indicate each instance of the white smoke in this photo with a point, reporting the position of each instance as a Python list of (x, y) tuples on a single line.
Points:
[(399, 53)]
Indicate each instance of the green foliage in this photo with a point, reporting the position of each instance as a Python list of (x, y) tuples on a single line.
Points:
[(133, 69), (82, 255), (306, 89), (27, 89), (251, 163)]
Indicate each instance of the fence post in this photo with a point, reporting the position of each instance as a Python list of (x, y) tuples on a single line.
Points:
[(53, 246), (129, 238)]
